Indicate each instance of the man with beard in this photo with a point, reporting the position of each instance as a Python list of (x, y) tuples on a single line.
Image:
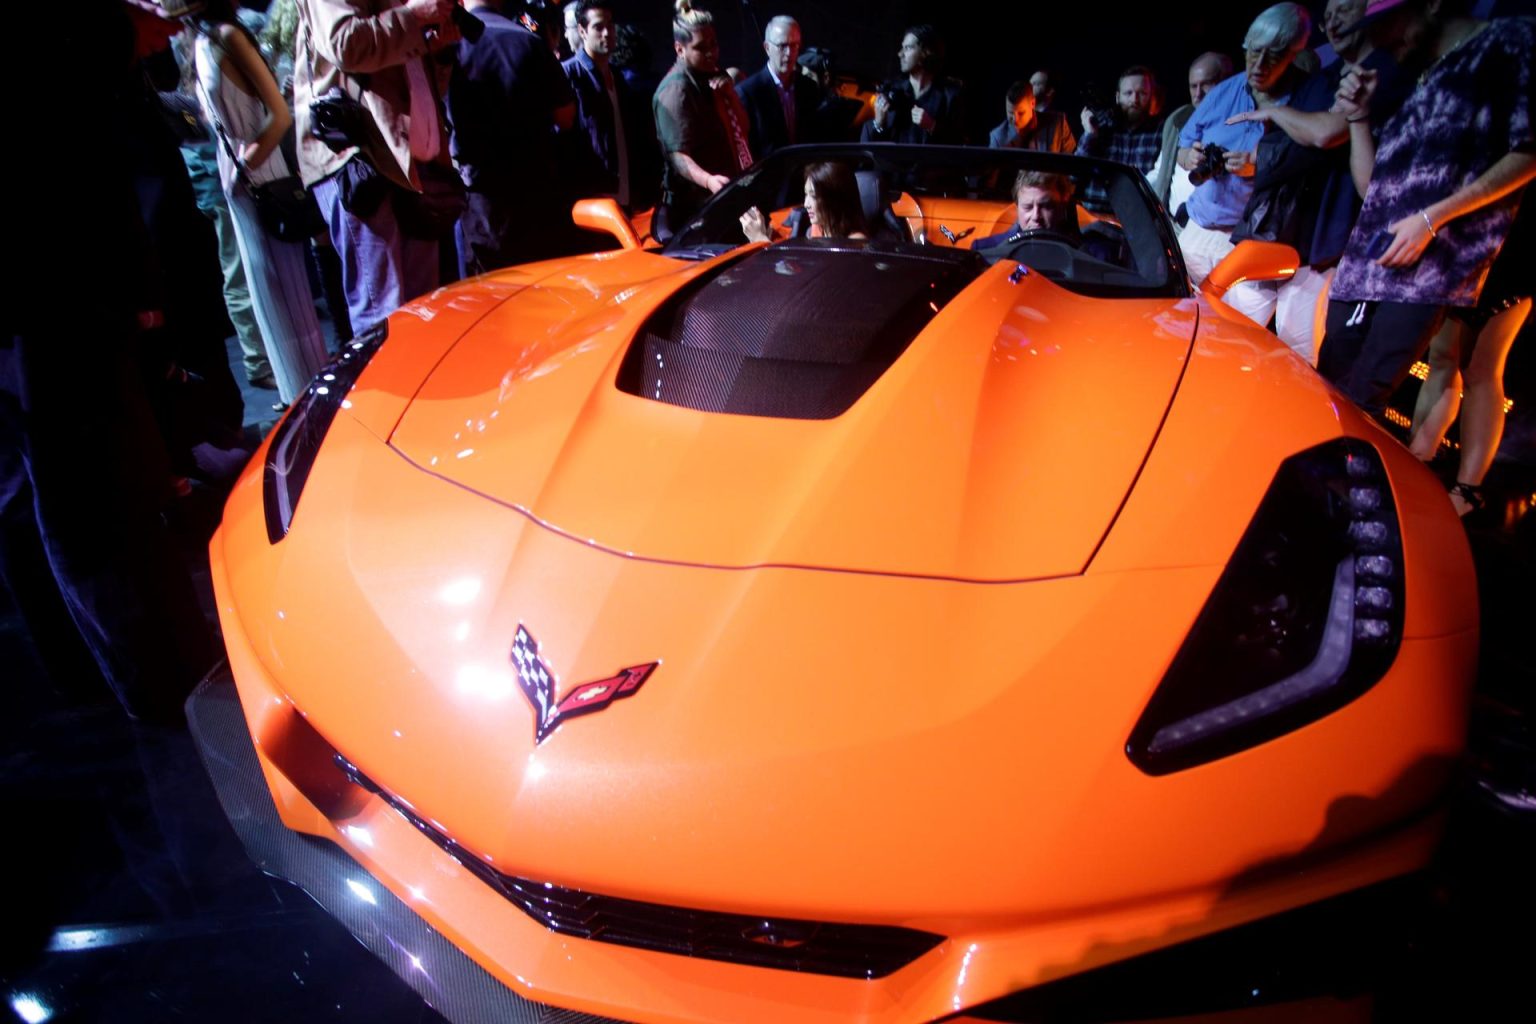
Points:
[(1131, 132), (1441, 186), (922, 107), (700, 122)]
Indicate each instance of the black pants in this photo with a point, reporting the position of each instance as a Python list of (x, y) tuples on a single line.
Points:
[(1370, 346), (82, 543)]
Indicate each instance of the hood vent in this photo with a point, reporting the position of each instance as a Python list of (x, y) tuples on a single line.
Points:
[(797, 330)]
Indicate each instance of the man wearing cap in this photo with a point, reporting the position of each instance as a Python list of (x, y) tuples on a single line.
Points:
[(1441, 186)]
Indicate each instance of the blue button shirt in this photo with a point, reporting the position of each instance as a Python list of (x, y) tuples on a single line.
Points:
[(1218, 204)]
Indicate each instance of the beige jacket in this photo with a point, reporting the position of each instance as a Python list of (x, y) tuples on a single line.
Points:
[(362, 46)]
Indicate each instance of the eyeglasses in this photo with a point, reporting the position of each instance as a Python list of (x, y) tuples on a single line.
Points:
[(1267, 54)]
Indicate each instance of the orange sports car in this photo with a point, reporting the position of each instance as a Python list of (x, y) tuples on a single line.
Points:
[(878, 620)]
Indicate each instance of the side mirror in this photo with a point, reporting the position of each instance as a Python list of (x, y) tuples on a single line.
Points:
[(604, 215), (1250, 261)]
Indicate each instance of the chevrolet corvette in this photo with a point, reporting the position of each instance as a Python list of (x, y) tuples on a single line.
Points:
[(822, 629)]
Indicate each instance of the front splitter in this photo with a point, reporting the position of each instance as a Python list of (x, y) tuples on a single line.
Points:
[(449, 981)]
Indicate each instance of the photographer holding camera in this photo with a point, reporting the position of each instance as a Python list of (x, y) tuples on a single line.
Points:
[(923, 107), (1220, 156), (375, 62), (1129, 130)]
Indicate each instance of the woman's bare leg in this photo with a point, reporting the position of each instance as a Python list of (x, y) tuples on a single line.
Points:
[(1482, 414), (1440, 397)]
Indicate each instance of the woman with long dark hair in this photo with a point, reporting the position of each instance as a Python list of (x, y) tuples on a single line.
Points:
[(249, 117), (832, 208)]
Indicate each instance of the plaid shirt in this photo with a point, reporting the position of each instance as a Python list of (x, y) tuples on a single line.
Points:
[(1138, 148)]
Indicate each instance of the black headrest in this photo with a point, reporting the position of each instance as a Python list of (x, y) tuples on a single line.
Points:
[(872, 195)]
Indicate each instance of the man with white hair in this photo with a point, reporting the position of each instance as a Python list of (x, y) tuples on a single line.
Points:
[(1220, 156), (572, 30), (780, 102), (1303, 194)]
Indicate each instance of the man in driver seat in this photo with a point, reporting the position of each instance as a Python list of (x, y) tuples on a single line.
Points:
[(1046, 211)]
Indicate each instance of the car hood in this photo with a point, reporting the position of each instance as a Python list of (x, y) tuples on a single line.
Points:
[(998, 445)]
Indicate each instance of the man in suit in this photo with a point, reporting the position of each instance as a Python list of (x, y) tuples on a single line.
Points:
[(780, 102), (611, 149)]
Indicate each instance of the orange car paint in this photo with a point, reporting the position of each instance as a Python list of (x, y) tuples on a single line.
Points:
[(941, 752)]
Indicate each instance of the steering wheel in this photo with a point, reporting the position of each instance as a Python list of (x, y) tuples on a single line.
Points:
[(1044, 235)]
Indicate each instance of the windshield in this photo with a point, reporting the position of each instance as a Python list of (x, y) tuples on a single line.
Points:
[(1089, 225)]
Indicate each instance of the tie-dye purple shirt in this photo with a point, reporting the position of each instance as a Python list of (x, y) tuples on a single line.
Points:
[(1470, 109)]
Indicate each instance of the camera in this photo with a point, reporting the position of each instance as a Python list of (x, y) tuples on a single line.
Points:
[(1103, 111), (338, 120), (1213, 164), (1104, 119)]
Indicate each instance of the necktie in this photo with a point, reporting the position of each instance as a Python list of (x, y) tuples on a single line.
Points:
[(734, 119), (787, 98)]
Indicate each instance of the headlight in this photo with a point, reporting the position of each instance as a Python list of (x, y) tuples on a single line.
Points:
[(297, 438), (1307, 616)]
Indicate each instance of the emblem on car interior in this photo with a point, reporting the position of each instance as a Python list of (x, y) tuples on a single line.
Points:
[(538, 685)]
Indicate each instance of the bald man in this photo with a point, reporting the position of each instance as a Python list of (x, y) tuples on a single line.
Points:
[(1169, 180)]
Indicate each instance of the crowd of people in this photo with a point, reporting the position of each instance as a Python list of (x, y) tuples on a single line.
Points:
[(252, 175)]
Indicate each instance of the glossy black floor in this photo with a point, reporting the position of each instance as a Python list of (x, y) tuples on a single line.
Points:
[(130, 899)]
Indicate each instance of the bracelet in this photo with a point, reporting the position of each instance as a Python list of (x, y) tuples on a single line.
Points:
[(1429, 224), (1357, 120)]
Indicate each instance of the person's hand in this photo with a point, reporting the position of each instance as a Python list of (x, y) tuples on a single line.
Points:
[(431, 12), (1356, 88), (1087, 120), (923, 119), (882, 109), (1241, 163), (1262, 115), (436, 19), (754, 225), (1410, 237), (716, 182), (248, 154), (1190, 158)]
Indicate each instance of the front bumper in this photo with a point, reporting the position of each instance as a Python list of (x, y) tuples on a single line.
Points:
[(441, 974)]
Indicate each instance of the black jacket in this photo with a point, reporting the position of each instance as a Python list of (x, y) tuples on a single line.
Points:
[(766, 130)]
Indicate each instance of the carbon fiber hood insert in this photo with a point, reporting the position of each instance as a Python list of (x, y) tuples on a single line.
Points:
[(797, 330)]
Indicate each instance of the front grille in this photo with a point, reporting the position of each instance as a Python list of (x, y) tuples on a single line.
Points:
[(815, 947)]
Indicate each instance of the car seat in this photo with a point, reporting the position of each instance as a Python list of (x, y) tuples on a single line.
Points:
[(875, 196)]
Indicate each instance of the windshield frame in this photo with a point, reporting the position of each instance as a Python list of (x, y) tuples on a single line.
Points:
[(902, 163)]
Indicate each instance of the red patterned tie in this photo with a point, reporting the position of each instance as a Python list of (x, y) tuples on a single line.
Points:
[(734, 118)]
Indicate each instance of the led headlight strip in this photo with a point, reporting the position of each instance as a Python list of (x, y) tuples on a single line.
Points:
[(297, 439), (1306, 617)]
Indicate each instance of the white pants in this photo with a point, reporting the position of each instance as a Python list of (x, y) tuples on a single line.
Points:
[(1297, 305), (1203, 248), (1301, 309)]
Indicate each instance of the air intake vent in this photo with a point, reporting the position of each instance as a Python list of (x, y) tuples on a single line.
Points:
[(797, 330), (786, 944)]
